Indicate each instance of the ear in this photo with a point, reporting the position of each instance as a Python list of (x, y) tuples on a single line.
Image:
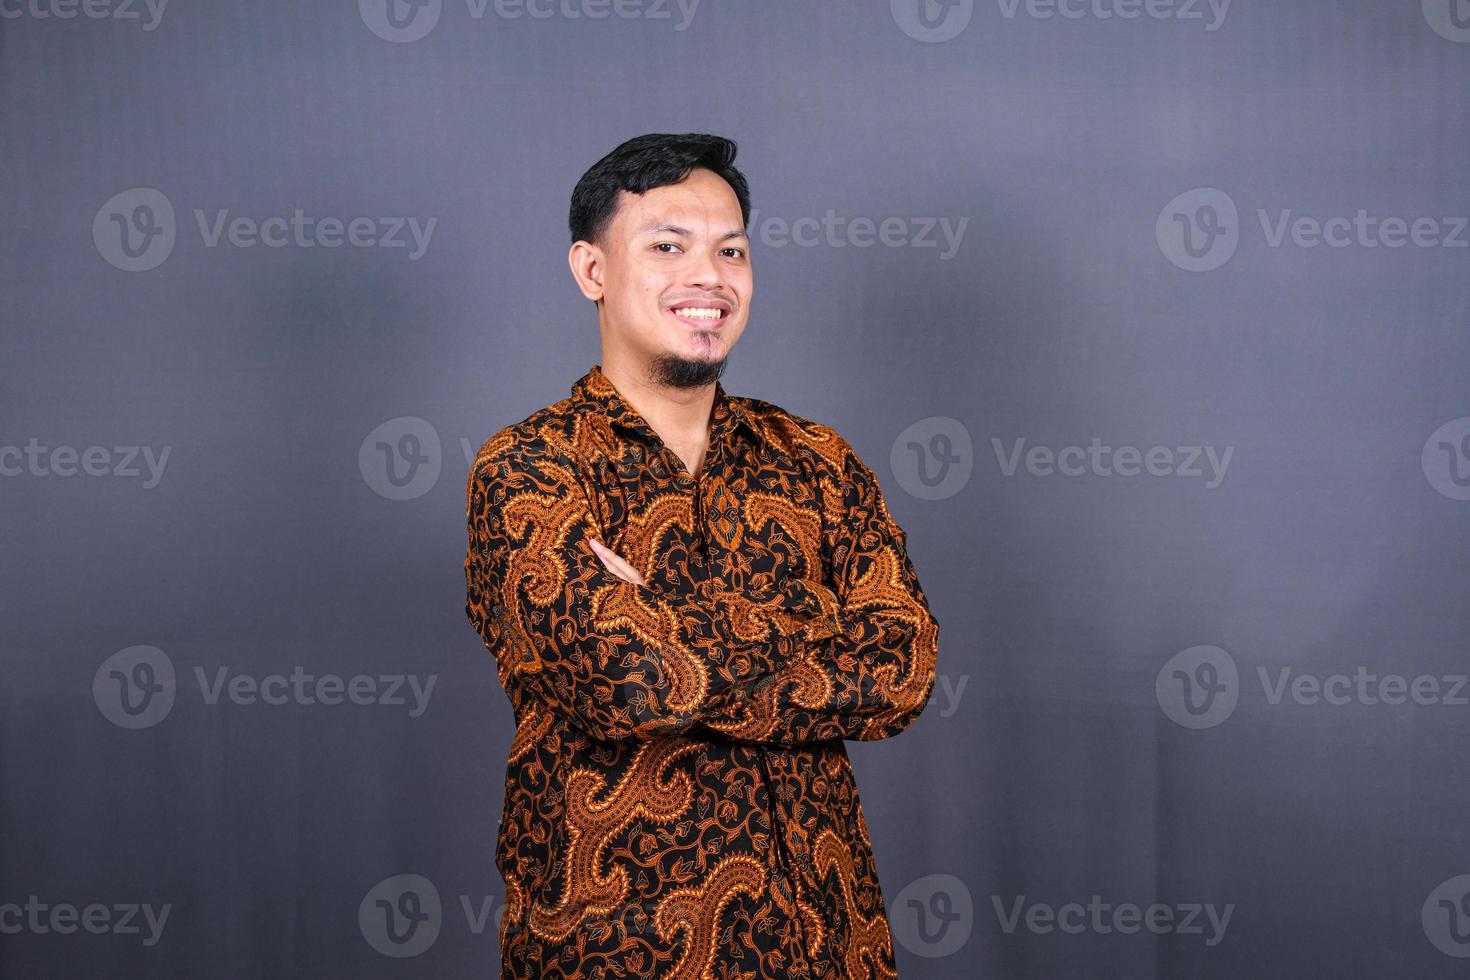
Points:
[(587, 264)]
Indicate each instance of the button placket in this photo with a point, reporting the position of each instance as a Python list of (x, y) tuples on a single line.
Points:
[(711, 470), (696, 557)]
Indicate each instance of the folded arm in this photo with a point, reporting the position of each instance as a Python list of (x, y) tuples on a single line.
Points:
[(862, 652), (618, 659)]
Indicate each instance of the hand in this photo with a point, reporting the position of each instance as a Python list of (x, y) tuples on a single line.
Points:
[(615, 564)]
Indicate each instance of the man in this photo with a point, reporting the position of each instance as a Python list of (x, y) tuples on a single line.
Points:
[(692, 599)]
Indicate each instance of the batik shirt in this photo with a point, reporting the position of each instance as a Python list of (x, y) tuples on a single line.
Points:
[(679, 801)]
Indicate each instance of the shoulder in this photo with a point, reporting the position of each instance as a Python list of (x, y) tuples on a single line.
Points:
[(805, 440), (546, 434)]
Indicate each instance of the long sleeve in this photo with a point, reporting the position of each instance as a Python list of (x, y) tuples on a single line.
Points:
[(618, 659), (862, 665)]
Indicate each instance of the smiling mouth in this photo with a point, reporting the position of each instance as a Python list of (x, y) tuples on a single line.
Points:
[(699, 316)]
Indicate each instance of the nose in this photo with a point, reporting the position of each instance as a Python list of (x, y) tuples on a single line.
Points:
[(704, 272)]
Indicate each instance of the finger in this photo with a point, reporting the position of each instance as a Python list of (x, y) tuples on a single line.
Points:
[(611, 561), (623, 569), (617, 565), (606, 557)]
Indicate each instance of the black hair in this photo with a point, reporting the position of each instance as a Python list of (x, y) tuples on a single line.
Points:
[(645, 162)]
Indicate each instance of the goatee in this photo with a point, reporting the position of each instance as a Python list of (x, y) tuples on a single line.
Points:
[(679, 372)]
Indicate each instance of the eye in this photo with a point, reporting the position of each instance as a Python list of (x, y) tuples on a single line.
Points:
[(740, 252), (660, 245)]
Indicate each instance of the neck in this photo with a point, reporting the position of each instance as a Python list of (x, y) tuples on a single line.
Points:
[(683, 411), (680, 416)]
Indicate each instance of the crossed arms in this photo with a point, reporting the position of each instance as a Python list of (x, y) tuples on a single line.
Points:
[(584, 635)]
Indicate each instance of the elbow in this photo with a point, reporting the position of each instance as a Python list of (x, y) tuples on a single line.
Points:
[(892, 722), (907, 701), (628, 712), (606, 729)]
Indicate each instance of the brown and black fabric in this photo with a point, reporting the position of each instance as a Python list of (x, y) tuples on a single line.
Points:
[(678, 798)]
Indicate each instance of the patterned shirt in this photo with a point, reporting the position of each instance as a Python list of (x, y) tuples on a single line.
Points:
[(678, 797)]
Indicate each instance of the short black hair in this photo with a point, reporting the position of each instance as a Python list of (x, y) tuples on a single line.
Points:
[(645, 162)]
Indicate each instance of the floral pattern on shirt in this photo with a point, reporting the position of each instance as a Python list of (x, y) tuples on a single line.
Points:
[(679, 801)]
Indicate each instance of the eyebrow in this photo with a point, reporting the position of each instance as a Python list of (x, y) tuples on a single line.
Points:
[(680, 230)]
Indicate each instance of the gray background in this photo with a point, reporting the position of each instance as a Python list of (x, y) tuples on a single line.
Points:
[(276, 539)]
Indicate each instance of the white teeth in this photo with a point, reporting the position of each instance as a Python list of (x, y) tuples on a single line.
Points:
[(699, 312)]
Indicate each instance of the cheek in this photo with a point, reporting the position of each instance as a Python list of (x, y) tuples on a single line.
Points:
[(651, 292), (638, 297)]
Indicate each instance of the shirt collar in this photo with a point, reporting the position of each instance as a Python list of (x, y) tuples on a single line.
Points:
[(594, 391)]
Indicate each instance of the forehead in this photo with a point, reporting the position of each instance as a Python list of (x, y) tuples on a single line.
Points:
[(700, 203)]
